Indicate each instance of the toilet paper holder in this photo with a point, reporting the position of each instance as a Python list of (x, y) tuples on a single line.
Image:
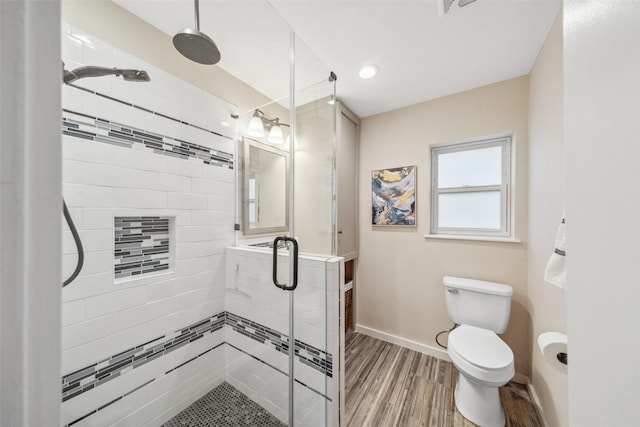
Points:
[(553, 346), (563, 358)]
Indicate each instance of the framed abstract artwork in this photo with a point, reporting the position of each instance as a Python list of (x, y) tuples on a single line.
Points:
[(393, 196)]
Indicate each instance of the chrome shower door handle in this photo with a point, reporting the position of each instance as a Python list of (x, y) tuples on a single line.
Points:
[(294, 279)]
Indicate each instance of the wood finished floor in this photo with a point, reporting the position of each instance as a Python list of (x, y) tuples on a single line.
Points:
[(388, 386)]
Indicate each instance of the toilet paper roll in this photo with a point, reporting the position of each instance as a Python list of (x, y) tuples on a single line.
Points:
[(553, 346)]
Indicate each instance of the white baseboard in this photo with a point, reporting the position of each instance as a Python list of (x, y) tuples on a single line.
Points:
[(536, 402), (403, 342), (422, 348), (520, 379)]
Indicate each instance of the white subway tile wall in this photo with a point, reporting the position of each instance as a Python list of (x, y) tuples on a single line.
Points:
[(138, 351), (127, 154)]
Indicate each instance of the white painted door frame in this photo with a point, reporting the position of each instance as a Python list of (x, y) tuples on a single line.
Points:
[(30, 212)]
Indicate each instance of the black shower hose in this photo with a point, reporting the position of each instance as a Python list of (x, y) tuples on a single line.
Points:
[(76, 238)]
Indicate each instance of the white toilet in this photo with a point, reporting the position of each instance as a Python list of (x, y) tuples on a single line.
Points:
[(483, 360)]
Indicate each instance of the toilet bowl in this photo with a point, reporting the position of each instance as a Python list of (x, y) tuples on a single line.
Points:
[(485, 363), (483, 360)]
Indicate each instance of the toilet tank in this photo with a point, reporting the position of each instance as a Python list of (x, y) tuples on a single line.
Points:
[(478, 303)]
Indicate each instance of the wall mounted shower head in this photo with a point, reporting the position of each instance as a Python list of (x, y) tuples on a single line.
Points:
[(91, 71), (134, 75), (71, 76), (196, 45)]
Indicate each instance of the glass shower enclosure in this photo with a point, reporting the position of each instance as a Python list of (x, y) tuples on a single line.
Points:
[(202, 197)]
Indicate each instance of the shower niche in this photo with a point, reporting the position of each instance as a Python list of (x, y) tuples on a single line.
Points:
[(143, 246)]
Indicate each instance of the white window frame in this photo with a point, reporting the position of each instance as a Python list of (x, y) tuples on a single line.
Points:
[(506, 187)]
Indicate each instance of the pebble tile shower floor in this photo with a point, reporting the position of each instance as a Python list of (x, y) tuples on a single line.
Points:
[(224, 406)]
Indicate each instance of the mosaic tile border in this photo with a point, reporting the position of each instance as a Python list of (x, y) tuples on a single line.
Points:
[(182, 364), (136, 389), (141, 245), (87, 378), (80, 125), (309, 355)]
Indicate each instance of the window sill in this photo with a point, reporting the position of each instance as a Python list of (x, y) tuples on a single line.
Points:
[(474, 238)]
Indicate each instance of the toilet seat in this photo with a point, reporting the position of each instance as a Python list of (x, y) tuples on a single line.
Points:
[(481, 355)]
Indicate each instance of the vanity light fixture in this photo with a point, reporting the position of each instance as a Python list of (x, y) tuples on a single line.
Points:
[(259, 124), (275, 134), (256, 128), (369, 71)]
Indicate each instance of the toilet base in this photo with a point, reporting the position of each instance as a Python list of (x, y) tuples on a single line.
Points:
[(479, 403)]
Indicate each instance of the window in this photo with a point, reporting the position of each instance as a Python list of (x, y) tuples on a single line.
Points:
[(471, 188)]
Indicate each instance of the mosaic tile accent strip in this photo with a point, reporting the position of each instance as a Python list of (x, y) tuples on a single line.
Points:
[(224, 406), (141, 245), (135, 389), (85, 379), (94, 375), (97, 129), (190, 360), (307, 354)]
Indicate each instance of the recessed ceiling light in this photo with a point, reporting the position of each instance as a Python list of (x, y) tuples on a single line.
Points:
[(369, 71)]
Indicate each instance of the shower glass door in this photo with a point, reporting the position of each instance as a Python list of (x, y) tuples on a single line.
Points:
[(315, 314), (282, 341)]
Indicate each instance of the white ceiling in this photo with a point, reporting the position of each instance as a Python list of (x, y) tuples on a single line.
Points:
[(422, 55)]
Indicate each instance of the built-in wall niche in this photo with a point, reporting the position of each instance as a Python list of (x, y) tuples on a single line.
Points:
[(142, 246), (348, 295)]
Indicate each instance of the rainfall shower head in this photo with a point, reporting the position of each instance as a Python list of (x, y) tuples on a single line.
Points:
[(196, 45), (91, 71)]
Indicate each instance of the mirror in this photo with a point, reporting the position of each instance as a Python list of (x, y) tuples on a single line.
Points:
[(265, 189)]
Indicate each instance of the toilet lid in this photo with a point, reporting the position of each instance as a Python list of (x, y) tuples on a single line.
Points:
[(480, 347)]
